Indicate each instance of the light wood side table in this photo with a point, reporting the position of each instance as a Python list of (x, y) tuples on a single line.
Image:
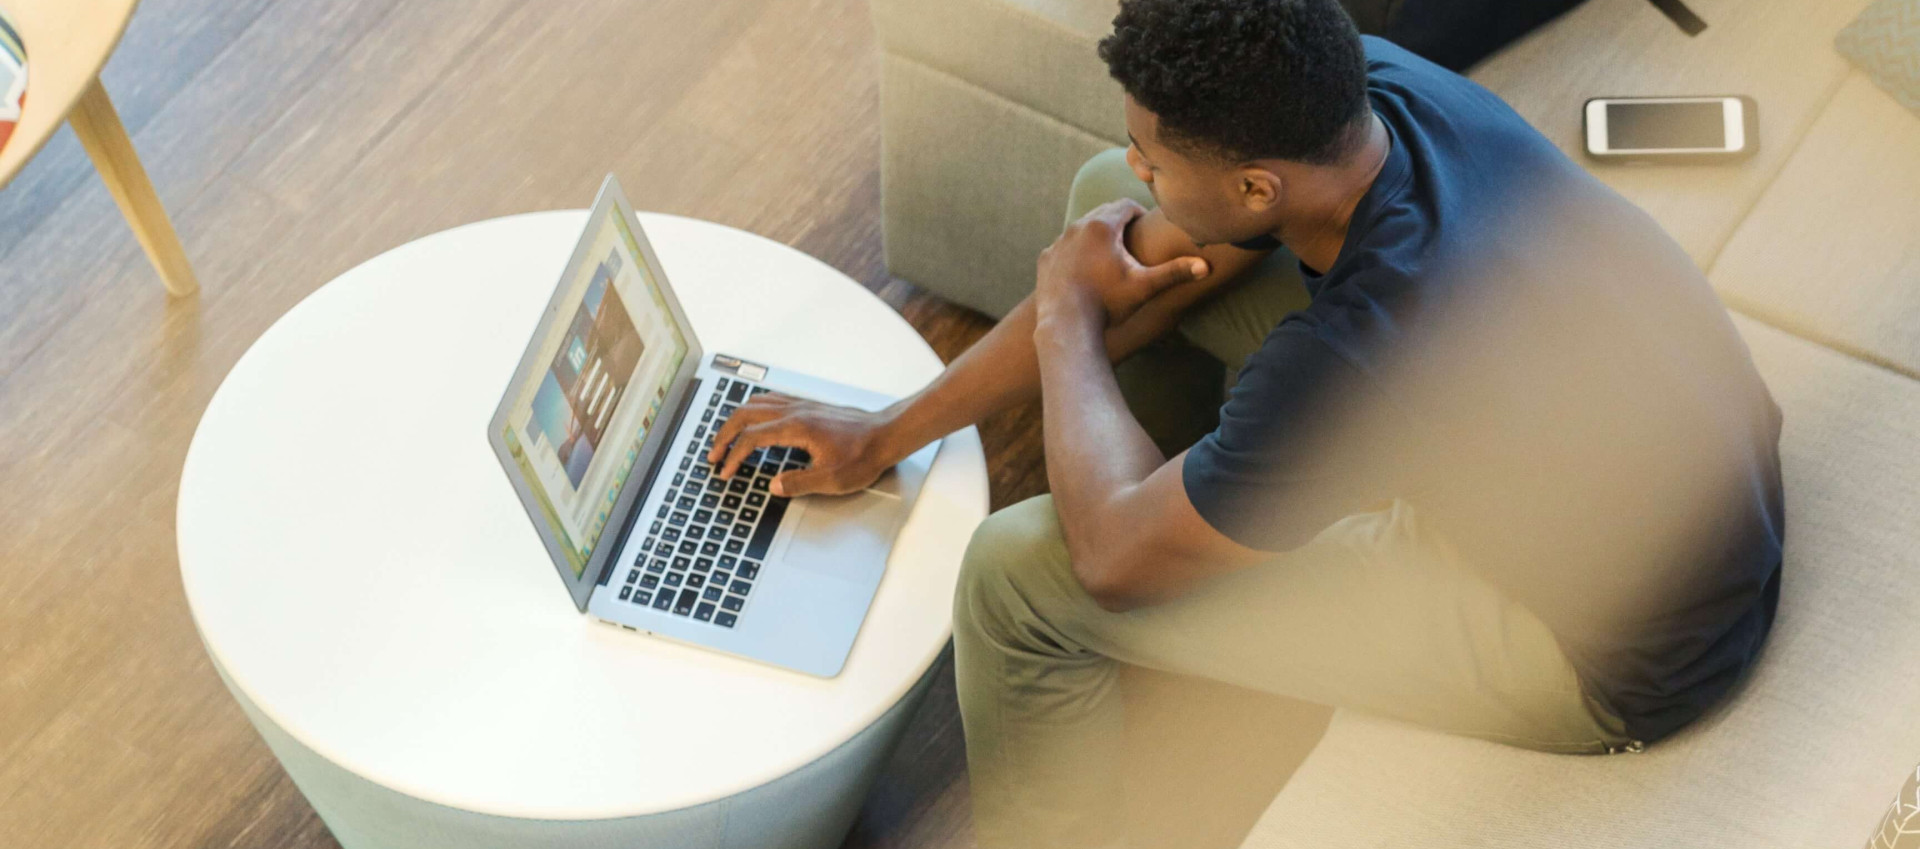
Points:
[(68, 42)]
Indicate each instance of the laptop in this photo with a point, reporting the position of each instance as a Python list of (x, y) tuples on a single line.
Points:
[(604, 430)]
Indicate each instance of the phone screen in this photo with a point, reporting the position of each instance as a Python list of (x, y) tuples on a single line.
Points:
[(1645, 126)]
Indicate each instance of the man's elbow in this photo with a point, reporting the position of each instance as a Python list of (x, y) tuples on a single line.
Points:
[(1105, 587)]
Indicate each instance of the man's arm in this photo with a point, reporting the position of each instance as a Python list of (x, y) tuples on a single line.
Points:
[(996, 373), (1132, 535), (1001, 370)]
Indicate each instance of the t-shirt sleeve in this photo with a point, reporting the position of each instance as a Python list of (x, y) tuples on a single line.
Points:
[(1294, 451)]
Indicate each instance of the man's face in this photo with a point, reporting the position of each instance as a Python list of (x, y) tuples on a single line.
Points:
[(1206, 198)]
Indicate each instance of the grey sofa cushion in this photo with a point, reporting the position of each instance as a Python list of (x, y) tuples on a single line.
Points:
[(1778, 51), (1832, 249), (1801, 758), (1037, 53), (1885, 42)]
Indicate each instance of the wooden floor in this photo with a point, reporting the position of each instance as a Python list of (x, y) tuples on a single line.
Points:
[(293, 139)]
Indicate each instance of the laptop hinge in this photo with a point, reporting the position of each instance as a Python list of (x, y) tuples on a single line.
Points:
[(653, 470)]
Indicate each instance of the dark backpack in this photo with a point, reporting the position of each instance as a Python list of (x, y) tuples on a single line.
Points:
[(1457, 33)]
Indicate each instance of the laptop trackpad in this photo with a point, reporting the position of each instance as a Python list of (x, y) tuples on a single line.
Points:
[(846, 536)]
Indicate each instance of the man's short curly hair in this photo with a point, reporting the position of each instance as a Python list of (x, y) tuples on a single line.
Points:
[(1243, 79)]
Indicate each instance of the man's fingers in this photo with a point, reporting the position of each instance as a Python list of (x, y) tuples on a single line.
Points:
[(1169, 274), (750, 438), (730, 440), (798, 482), (742, 418), (1116, 212)]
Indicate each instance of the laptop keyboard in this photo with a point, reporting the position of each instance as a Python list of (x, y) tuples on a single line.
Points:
[(706, 542)]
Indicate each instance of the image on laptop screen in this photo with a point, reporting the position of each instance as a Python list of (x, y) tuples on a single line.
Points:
[(576, 426)]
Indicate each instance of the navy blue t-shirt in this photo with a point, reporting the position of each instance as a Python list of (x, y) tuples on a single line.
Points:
[(1532, 363)]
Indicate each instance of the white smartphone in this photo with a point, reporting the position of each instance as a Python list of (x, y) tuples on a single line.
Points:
[(1680, 129)]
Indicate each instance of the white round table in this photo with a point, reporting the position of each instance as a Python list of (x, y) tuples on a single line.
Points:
[(376, 599)]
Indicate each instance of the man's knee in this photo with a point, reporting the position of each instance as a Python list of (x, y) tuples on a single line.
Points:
[(1015, 557), (1105, 177)]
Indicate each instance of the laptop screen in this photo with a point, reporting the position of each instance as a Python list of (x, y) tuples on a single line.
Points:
[(605, 360)]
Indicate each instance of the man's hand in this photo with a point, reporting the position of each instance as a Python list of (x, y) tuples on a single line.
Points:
[(1088, 275), (848, 446)]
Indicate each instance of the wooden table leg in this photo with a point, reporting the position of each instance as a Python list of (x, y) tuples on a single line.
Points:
[(98, 126)]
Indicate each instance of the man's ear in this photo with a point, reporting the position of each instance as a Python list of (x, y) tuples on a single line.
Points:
[(1259, 188)]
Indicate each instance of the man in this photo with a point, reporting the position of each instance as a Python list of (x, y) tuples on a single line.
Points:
[(1496, 461)]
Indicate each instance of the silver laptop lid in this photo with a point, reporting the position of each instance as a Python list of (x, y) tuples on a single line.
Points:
[(588, 407)]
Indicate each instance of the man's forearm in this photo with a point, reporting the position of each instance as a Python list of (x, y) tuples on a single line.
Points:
[(1001, 370), (1095, 448), (997, 373)]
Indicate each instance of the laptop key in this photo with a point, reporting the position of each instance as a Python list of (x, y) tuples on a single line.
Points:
[(679, 520), (684, 604), (664, 507), (709, 501), (712, 593), (680, 564), (633, 576), (700, 472), (684, 503), (732, 602), (653, 529), (688, 546), (799, 455), (706, 416), (727, 409), (673, 534), (721, 384), (727, 562), (737, 393), (703, 516), (769, 524), (649, 582), (673, 579), (657, 565), (702, 565), (721, 578), (715, 485), (725, 619), (741, 530), (749, 570), (625, 592), (699, 431), (696, 580), (704, 613), (686, 463), (724, 517), (731, 502), (740, 587), (735, 546), (709, 548), (749, 515), (760, 484), (738, 484), (642, 598), (756, 499), (664, 600)]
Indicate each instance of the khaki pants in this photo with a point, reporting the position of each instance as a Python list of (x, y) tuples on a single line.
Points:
[(1374, 614)]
